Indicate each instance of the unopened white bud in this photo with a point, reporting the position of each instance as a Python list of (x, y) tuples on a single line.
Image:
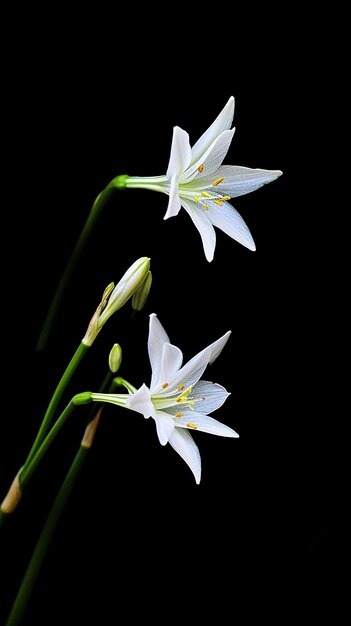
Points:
[(125, 288), (141, 295)]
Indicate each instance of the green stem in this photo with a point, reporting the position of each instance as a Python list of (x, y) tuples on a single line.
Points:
[(33, 569), (40, 550), (50, 411), (89, 224), (28, 470)]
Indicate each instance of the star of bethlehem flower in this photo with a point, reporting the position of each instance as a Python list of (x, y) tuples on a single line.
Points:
[(177, 399), (197, 181)]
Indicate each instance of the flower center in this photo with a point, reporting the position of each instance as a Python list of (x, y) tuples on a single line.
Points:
[(184, 398), (204, 198)]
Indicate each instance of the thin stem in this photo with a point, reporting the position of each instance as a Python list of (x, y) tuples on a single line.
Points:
[(33, 569), (40, 550), (50, 411), (89, 224), (27, 471)]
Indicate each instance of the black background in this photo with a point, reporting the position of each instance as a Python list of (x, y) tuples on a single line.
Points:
[(268, 527)]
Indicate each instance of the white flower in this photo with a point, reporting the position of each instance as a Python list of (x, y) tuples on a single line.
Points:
[(178, 399), (197, 181)]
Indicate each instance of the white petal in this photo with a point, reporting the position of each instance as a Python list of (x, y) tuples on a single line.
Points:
[(174, 204), (217, 346), (171, 362), (238, 180), (180, 156), (192, 371), (222, 122), (209, 396), (189, 374), (183, 443), (204, 226), (204, 423), (211, 159), (164, 426), (230, 221), (157, 338), (140, 401)]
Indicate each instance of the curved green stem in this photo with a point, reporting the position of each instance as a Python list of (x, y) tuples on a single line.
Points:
[(50, 411), (33, 569), (28, 469), (40, 550), (89, 224)]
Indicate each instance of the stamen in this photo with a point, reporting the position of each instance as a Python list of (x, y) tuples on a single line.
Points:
[(184, 397), (216, 182), (179, 414), (206, 207), (196, 199), (201, 168), (205, 194), (181, 387), (191, 426), (164, 385), (219, 202), (225, 197)]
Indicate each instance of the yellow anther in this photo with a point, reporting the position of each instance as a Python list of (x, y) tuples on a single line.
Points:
[(201, 168), (191, 425), (184, 397), (205, 194), (219, 202), (165, 385), (226, 198), (181, 387), (206, 207), (178, 414), (216, 182), (196, 199)]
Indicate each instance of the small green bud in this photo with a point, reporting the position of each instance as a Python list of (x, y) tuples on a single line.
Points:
[(115, 358), (141, 295)]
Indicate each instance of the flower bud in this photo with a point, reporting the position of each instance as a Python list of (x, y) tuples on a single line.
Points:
[(115, 358), (130, 282), (141, 295)]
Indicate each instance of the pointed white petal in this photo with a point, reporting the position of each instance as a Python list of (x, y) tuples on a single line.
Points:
[(180, 156), (222, 122), (230, 221), (204, 423), (171, 362), (183, 443), (208, 396), (204, 226), (238, 180), (211, 159), (192, 371), (157, 338), (174, 204), (164, 426), (140, 401), (218, 345), (189, 374)]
